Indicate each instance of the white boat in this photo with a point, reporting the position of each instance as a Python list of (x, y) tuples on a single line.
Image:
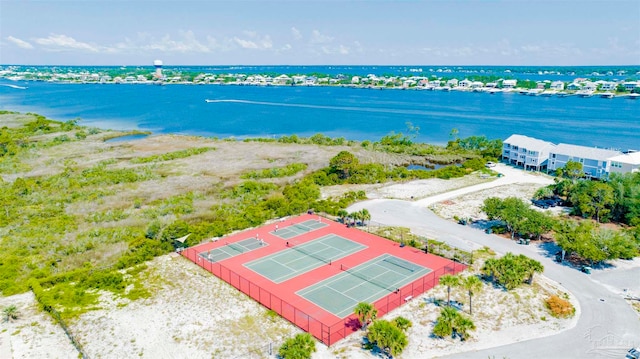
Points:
[(607, 95), (548, 93), (633, 96), (585, 93)]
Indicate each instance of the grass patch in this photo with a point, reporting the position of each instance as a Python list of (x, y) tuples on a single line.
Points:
[(173, 155), (559, 308)]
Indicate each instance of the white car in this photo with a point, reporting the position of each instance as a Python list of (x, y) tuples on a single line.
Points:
[(490, 164)]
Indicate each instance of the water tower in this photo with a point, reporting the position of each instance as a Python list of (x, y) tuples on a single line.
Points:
[(158, 66)]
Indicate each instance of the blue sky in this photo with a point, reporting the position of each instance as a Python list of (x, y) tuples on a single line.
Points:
[(330, 32)]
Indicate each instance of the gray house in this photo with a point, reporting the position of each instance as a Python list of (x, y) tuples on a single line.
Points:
[(595, 161), (527, 152), (629, 162)]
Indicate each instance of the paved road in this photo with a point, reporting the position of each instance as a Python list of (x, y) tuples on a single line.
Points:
[(607, 326)]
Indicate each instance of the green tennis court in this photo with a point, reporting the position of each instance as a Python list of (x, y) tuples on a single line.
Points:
[(297, 229), (233, 249), (367, 282), (301, 258)]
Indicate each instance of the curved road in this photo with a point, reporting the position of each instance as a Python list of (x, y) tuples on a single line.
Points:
[(607, 326)]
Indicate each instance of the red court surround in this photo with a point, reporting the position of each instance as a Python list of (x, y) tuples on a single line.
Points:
[(282, 299)]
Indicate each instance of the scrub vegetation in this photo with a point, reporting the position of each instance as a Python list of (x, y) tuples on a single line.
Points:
[(79, 215)]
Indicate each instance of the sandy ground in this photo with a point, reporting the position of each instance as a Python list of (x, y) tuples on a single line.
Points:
[(34, 334), (194, 314)]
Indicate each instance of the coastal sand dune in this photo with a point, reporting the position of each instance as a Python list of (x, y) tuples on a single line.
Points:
[(194, 314)]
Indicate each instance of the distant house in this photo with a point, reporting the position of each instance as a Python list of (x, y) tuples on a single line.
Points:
[(608, 86), (595, 161), (625, 163), (282, 80), (464, 83), (630, 85), (452, 83), (589, 86), (509, 84), (574, 86), (355, 80), (298, 79), (527, 152), (557, 85)]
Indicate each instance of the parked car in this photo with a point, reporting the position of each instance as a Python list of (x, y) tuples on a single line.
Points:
[(540, 203), (490, 164), (633, 353)]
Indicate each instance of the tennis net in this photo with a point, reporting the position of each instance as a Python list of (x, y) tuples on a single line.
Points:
[(236, 247), (367, 278), (302, 250), (301, 227), (400, 263)]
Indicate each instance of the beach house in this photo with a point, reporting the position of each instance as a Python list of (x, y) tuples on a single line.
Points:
[(509, 84), (557, 85), (527, 152), (625, 163), (595, 161)]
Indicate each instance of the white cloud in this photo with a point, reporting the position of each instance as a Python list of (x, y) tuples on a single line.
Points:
[(20, 43), (56, 42), (319, 38), (332, 50), (245, 44), (296, 33), (254, 41), (186, 42)]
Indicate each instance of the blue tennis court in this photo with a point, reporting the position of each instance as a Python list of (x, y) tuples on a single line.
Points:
[(301, 258), (297, 229), (367, 282), (233, 249)]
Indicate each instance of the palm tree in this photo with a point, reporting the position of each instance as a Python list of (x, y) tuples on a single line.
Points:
[(450, 281), (366, 312), (445, 321), (490, 269), (10, 313), (402, 323), (365, 215), (533, 266), (343, 214), (472, 284), (462, 325)]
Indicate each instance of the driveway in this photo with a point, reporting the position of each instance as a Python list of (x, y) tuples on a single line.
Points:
[(607, 326)]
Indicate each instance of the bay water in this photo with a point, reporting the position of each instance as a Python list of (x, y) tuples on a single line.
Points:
[(352, 113)]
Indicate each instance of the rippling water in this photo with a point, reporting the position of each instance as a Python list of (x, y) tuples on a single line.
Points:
[(248, 111)]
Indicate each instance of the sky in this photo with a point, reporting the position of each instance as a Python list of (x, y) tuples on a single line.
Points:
[(329, 32)]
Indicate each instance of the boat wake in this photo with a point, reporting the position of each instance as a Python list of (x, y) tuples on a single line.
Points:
[(14, 86), (299, 105), (383, 110)]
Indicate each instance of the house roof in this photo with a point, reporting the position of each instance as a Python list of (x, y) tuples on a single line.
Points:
[(593, 153), (530, 143), (632, 158)]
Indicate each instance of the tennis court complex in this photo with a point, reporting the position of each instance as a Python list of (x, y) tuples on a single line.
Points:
[(232, 249), (301, 258), (367, 282), (297, 229), (314, 271)]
